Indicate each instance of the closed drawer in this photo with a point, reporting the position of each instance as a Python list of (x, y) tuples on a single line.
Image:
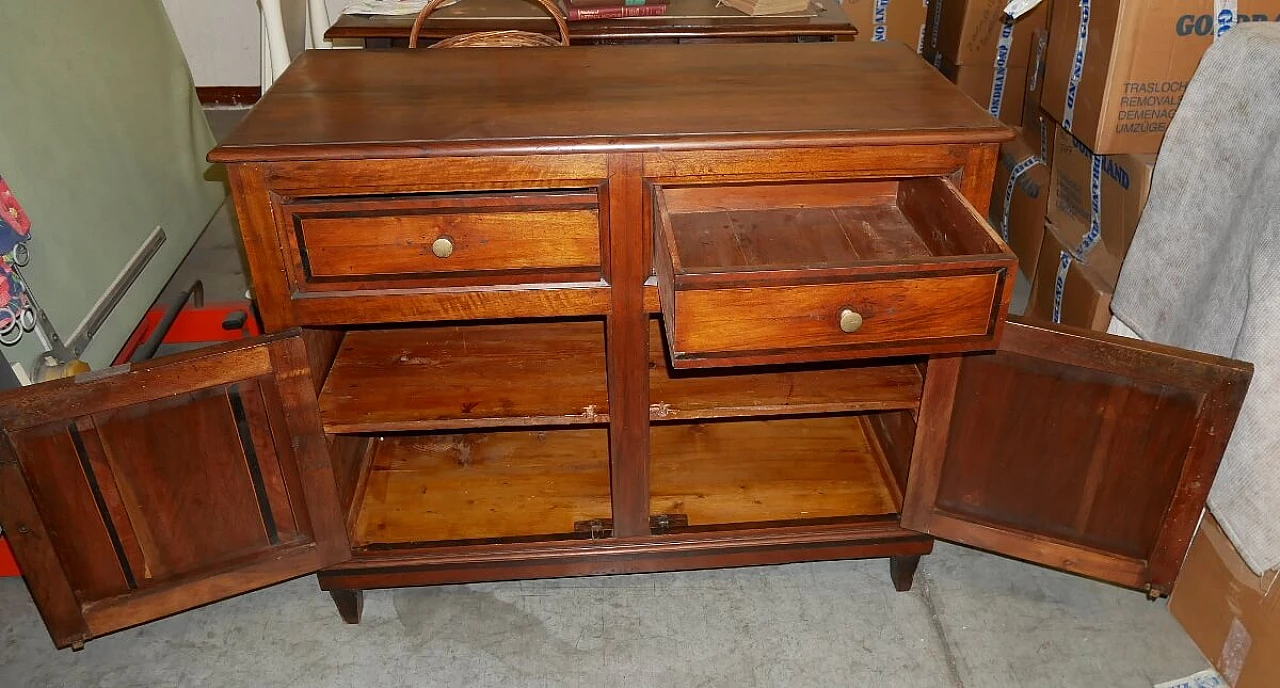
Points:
[(438, 240), (807, 272)]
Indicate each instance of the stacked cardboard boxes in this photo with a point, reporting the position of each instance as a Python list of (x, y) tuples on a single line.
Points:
[(1103, 81), (888, 20), (1092, 213), (983, 51), (1117, 69)]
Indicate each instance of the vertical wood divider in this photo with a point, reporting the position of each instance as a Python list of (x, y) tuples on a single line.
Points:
[(627, 346), (263, 248)]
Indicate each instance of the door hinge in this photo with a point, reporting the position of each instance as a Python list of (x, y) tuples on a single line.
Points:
[(660, 524), (597, 527)]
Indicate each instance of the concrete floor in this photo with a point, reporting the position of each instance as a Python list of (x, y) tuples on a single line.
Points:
[(973, 620)]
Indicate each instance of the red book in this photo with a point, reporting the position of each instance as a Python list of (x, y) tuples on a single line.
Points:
[(616, 12), (612, 3)]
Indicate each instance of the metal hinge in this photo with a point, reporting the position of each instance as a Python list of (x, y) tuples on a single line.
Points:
[(597, 527), (658, 525), (663, 523)]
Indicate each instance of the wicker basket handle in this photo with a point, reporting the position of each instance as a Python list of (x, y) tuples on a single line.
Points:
[(548, 5)]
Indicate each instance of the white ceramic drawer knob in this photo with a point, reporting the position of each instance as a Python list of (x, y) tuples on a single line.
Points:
[(850, 320), (442, 247)]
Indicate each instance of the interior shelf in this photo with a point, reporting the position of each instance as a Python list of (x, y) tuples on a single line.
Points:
[(467, 376), (482, 486), (553, 374), (766, 471), (734, 392)]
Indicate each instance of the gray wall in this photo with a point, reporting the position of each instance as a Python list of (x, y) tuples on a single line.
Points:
[(102, 139)]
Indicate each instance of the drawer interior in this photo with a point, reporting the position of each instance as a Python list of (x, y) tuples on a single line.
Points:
[(710, 230), (832, 271)]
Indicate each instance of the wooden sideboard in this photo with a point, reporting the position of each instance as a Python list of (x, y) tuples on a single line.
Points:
[(536, 314), (686, 21)]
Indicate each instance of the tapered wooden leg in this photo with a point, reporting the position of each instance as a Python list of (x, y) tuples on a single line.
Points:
[(350, 604), (903, 571)]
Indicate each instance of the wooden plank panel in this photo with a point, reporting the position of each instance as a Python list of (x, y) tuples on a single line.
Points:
[(254, 423), (731, 392), (1077, 450), (437, 173), (1074, 490), (467, 376), (171, 501), (371, 306), (426, 488), (753, 471), (79, 530), (627, 344), (94, 392), (36, 554)]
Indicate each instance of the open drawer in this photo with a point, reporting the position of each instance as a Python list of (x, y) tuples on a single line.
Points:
[(778, 273)]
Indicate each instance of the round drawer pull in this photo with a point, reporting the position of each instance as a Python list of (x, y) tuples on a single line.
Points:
[(850, 320), (442, 247)]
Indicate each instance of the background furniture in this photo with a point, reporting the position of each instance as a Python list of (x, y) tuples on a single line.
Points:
[(596, 326), (688, 21)]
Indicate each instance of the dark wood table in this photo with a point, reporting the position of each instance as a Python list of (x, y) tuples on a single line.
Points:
[(688, 21)]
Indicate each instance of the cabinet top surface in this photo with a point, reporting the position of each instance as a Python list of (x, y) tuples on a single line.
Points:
[(352, 104)]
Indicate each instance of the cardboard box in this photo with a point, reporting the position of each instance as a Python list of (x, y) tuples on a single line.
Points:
[(1002, 98), (1069, 291), (892, 20), (1137, 59), (977, 32), (1231, 613), (1037, 126), (1018, 202), (1122, 185)]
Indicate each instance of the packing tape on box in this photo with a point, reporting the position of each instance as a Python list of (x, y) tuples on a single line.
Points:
[(1037, 67), (1094, 234), (934, 31), (1060, 283), (879, 14), (1225, 13), (1003, 48), (1044, 139), (1017, 8), (1077, 67), (1018, 170)]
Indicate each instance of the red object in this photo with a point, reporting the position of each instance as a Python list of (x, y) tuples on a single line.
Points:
[(8, 567), (193, 325), (616, 12)]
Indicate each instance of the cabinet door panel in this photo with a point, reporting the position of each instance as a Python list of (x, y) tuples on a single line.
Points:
[(1076, 450), (134, 494)]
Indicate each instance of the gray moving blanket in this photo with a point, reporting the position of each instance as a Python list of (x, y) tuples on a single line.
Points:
[(1204, 269)]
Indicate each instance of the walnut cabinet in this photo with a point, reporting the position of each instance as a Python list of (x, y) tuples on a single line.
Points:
[(558, 319)]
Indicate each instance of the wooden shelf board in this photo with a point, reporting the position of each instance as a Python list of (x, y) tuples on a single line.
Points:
[(776, 470), (474, 486), (729, 392), (469, 376), (551, 374)]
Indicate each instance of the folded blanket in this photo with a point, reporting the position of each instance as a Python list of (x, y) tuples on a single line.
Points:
[(1203, 272)]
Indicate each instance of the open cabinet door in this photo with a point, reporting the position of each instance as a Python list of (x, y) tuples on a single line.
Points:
[(133, 493), (1077, 450)]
